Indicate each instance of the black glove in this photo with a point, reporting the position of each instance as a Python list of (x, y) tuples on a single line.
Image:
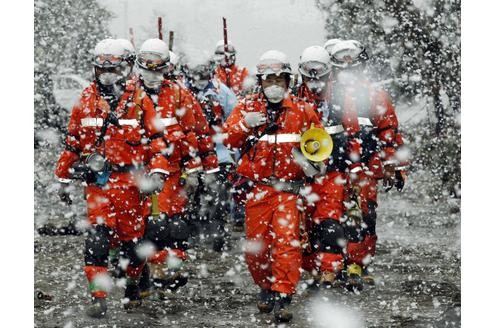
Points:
[(400, 180)]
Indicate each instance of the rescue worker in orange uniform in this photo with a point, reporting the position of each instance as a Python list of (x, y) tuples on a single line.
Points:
[(189, 145), (227, 71), (381, 145), (327, 215), (106, 148), (266, 127)]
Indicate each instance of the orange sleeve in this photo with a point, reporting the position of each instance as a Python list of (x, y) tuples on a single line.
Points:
[(385, 119)]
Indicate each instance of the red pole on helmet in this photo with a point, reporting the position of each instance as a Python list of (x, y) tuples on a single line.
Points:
[(225, 48), (160, 35), (170, 40), (131, 36)]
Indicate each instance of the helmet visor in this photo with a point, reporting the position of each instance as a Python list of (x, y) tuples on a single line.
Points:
[(151, 61), (314, 69), (273, 68), (108, 60)]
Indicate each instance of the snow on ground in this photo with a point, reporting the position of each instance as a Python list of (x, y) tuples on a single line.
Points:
[(417, 270)]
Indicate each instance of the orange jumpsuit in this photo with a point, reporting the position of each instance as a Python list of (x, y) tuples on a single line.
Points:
[(232, 76), (332, 188), (191, 149), (273, 252), (117, 204), (380, 139)]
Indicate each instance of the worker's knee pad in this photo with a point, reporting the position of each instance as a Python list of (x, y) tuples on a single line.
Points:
[(370, 218), (329, 236), (97, 246), (157, 231), (354, 231)]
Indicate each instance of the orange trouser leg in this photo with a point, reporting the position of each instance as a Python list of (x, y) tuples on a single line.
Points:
[(92, 272), (258, 228), (272, 225), (286, 253), (362, 253), (330, 206)]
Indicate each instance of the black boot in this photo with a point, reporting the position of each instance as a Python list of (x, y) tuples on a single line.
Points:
[(145, 283), (132, 295), (266, 301), (282, 312), (97, 308)]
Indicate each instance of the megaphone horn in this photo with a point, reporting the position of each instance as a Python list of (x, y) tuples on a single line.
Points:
[(316, 144)]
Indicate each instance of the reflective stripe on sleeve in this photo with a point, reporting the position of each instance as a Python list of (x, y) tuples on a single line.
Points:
[(281, 138), (356, 169), (91, 121), (243, 127), (195, 169), (157, 170), (364, 121), (391, 162), (213, 170), (132, 122), (334, 129), (169, 121)]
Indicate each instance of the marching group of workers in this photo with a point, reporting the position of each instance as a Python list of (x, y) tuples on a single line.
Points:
[(165, 149)]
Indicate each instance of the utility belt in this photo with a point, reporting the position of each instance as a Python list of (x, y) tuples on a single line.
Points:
[(286, 186)]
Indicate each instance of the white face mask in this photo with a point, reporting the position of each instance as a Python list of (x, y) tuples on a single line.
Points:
[(315, 86), (109, 78), (152, 80), (274, 93)]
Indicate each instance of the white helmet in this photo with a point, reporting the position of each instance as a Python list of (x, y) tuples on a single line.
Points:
[(129, 51), (348, 53), (330, 44), (219, 56), (153, 55), (108, 53), (314, 62), (273, 62), (219, 48)]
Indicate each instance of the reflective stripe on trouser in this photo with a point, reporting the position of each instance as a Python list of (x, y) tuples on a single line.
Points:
[(362, 253), (274, 261)]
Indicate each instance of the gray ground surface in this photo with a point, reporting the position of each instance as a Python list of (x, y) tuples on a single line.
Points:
[(417, 268)]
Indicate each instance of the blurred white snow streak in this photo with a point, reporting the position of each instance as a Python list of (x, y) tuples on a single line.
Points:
[(328, 314)]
